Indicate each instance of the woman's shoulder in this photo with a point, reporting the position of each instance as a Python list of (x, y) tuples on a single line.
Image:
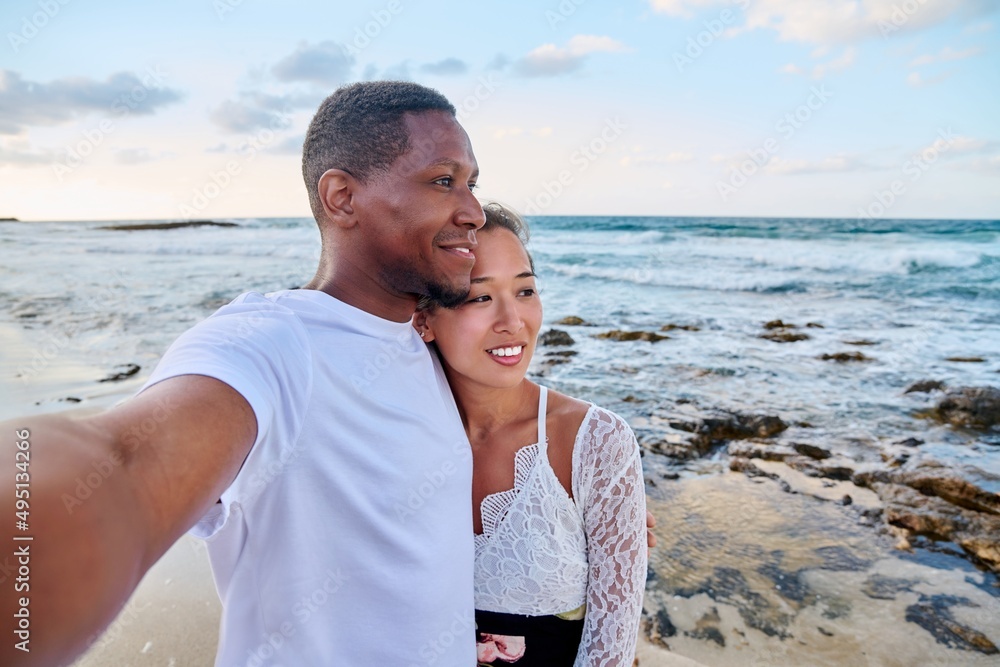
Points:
[(586, 421)]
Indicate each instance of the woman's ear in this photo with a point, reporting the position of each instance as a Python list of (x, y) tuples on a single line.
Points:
[(421, 322)]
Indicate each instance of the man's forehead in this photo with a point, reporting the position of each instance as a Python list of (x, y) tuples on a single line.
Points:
[(437, 139)]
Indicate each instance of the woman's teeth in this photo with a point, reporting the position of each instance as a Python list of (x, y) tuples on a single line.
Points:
[(506, 351)]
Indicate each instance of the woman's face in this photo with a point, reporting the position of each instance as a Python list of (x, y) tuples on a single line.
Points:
[(491, 337)]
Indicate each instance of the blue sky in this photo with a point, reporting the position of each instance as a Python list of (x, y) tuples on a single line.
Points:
[(819, 108)]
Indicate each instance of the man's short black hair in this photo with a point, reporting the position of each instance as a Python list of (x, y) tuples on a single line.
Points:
[(360, 129)]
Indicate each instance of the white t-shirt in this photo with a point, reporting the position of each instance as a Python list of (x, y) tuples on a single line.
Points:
[(346, 538)]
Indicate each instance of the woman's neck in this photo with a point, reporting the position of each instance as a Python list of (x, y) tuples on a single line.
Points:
[(487, 410)]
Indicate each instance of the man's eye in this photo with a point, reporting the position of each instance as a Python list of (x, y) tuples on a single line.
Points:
[(446, 181), (473, 186)]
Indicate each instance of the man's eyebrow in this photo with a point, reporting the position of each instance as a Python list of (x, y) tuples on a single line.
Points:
[(453, 164), (488, 279)]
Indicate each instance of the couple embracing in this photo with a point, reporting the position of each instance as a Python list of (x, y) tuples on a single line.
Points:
[(295, 475)]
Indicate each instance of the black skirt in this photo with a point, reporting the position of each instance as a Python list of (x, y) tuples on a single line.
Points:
[(526, 641)]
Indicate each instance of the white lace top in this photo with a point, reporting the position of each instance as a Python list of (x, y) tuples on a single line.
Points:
[(542, 552)]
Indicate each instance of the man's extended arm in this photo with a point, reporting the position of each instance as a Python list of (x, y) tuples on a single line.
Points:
[(108, 495)]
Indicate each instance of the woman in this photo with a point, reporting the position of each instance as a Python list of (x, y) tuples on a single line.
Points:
[(558, 499)]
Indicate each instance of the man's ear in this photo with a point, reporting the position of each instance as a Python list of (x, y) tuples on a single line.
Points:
[(336, 191), (421, 322)]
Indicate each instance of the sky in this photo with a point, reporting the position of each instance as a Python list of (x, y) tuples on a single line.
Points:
[(795, 108)]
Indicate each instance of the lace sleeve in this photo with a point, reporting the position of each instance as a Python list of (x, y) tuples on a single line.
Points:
[(612, 496)]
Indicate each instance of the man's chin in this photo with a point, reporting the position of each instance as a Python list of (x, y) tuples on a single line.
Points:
[(447, 296)]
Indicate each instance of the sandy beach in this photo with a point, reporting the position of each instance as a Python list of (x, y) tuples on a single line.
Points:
[(173, 619)]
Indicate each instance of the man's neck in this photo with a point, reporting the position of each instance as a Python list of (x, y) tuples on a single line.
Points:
[(354, 287)]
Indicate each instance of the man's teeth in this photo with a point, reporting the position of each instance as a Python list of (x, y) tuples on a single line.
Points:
[(506, 351), (462, 250)]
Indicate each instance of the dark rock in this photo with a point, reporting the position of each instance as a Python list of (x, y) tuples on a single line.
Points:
[(978, 533), (659, 627), (751, 450), (573, 321), (561, 353), (168, 225), (966, 360), (629, 399), (860, 342), (556, 337), (925, 387), (71, 399), (933, 614), (814, 325), (812, 451), (973, 407), (784, 336), (824, 631), (846, 500), (778, 324), (842, 357), (682, 327), (741, 427), (620, 336), (909, 442), (881, 587), (130, 370)]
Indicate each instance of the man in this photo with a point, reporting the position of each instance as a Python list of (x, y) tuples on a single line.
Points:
[(307, 434)]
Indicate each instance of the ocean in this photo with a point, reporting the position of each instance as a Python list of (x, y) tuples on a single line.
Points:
[(919, 299)]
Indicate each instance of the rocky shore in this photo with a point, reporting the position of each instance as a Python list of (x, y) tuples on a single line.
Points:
[(891, 500)]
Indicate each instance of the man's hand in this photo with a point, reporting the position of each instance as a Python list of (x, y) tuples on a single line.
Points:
[(108, 496)]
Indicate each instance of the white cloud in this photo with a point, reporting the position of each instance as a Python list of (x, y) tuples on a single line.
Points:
[(918, 81), (446, 67), (947, 54), (845, 60), (841, 162), (550, 60), (25, 104), (326, 64), (834, 21)]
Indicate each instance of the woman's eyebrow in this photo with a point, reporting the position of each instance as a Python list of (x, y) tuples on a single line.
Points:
[(489, 279)]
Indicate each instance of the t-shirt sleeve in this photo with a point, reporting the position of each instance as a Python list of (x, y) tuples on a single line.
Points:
[(262, 351), (612, 494)]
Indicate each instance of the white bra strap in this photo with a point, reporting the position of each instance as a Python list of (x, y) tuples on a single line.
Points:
[(542, 402)]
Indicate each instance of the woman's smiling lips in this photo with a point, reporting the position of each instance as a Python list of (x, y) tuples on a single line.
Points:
[(507, 355)]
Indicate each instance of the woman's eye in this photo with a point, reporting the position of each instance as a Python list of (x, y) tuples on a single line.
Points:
[(529, 291), (479, 299)]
